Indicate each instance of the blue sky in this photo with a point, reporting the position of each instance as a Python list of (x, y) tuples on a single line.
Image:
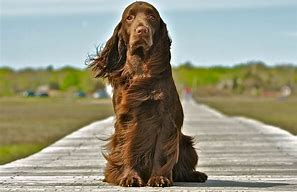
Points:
[(206, 32)]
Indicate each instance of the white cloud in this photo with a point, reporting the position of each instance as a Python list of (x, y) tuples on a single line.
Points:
[(24, 7)]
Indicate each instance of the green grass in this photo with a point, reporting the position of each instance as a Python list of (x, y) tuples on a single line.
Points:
[(17, 151), (29, 124), (271, 111), (201, 76)]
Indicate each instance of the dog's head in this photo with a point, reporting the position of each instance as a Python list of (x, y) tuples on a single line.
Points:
[(137, 34), (140, 22)]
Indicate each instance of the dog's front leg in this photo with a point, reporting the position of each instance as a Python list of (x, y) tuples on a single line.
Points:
[(166, 154), (159, 177), (130, 176)]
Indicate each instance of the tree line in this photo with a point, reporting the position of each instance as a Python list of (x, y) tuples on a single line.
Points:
[(254, 76)]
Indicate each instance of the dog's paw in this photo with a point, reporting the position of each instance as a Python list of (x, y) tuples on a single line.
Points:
[(159, 181), (131, 181), (199, 176)]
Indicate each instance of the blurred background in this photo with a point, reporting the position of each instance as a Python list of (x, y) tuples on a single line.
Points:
[(238, 56)]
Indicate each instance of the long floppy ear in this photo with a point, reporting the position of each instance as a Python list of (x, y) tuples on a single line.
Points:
[(111, 58), (166, 41), (164, 33), (159, 61)]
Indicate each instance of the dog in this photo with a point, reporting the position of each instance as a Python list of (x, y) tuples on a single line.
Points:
[(147, 147)]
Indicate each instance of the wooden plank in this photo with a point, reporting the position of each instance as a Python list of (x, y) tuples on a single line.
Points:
[(238, 154)]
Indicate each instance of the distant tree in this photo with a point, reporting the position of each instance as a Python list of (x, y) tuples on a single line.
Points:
[(70, 80), (27, 70), (6, 70), (49, 68), (187, 65), (69, 69), (251, 64)]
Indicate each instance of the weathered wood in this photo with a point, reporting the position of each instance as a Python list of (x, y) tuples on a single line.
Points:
[(238, 154)]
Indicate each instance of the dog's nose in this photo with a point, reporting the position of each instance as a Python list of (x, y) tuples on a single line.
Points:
[(142, 30)]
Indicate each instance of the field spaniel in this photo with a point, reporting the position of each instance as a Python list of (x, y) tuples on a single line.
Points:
[(147, 147)]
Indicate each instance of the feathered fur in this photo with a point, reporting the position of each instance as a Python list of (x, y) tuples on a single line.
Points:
[(147, 147)]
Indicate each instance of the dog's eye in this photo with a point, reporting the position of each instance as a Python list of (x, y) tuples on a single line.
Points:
[(152, 17), (130, 18)]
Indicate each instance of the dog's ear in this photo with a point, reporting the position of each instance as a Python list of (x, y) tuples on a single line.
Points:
[(165, 41), (164, 34), (160, 55), (111, 57)]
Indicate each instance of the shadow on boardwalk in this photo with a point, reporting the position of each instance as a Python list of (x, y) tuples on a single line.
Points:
[(226, 183)]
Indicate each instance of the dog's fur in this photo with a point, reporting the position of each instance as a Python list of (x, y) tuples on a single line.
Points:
[(147, 147)]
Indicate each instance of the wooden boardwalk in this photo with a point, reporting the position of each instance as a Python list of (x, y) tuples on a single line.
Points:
[(238, 154)]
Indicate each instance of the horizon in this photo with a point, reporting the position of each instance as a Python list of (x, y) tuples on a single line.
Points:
[(212, 33), (244, 64)]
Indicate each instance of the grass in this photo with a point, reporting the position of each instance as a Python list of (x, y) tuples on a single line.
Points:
[(268, 110), (29, 124), (17, 151)]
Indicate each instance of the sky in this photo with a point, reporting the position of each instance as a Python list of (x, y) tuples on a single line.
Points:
[(36, 33)]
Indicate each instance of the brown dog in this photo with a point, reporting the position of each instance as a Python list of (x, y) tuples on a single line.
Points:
[(147, 147)]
